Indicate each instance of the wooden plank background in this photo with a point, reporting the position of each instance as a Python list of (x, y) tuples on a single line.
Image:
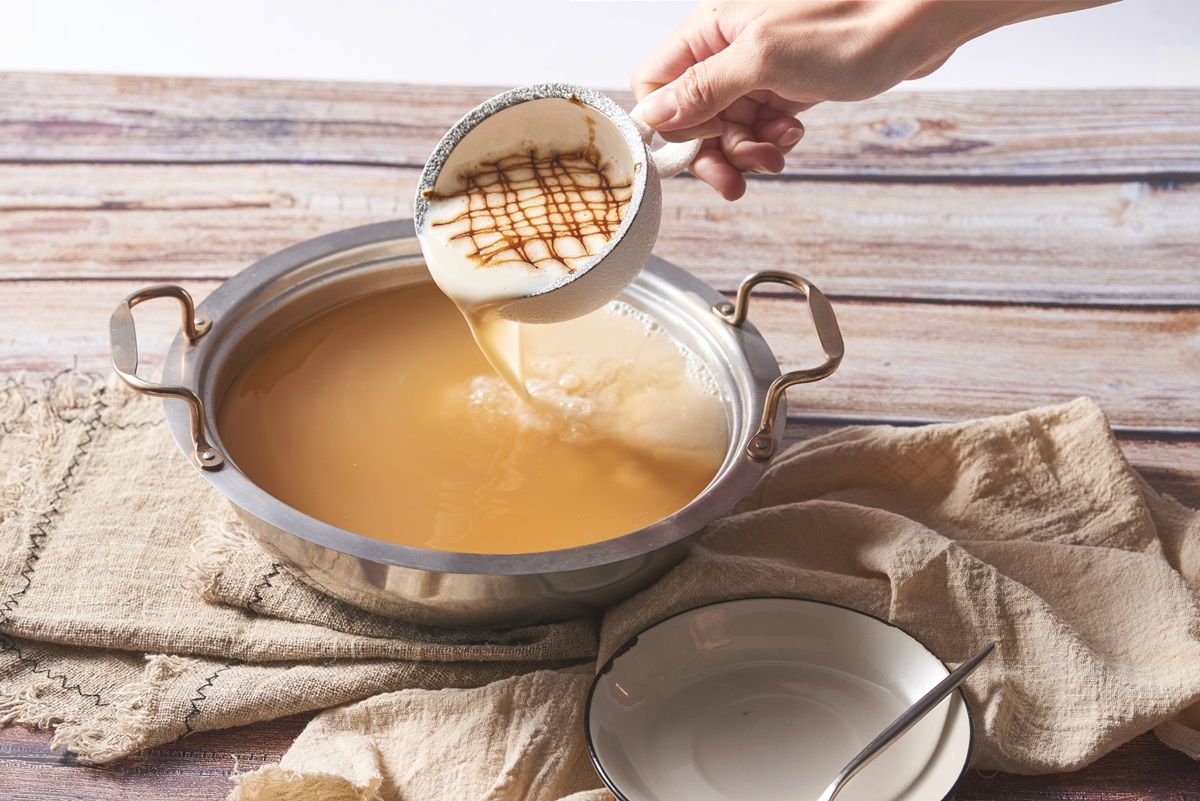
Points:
[(985, 252), (1131, 132), (1101, 244)]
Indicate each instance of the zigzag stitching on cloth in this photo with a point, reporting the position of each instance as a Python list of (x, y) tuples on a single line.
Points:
[(37, 541), (200, 696), (276, 567), (143, 424), (10, 646)]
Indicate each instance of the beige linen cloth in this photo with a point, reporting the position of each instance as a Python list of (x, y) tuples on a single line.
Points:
[(134, 610)]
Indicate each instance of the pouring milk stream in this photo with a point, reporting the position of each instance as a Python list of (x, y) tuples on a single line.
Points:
[(540, 206)]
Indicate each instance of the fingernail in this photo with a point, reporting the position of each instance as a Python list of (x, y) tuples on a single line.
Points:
[(658, 107), (762, 170), (791, 136)]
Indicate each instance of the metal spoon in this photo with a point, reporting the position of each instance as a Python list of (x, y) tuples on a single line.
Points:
[(922, 707)]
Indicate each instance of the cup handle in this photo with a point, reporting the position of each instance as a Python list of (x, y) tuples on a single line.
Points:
[(673, 157)]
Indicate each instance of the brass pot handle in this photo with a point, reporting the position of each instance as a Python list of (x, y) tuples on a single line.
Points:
[(762, 444), (123, 338)]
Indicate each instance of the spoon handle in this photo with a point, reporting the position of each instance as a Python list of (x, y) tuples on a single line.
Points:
[(922, 707)]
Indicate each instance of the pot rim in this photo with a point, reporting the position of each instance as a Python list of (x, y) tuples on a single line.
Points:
[(188, 363)]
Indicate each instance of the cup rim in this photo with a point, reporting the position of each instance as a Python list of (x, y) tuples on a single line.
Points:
[(592, 98)]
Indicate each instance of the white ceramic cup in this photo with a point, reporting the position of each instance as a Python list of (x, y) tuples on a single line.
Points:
[(550, 118)]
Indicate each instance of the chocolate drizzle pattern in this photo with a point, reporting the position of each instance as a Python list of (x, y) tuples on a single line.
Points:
[(536, 208)]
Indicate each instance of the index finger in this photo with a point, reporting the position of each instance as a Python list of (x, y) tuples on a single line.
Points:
[(688, 44), (666, 62)]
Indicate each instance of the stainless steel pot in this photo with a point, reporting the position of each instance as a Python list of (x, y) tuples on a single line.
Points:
[(270, 298)]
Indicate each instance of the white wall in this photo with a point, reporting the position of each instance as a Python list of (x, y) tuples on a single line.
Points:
[(511, 42)]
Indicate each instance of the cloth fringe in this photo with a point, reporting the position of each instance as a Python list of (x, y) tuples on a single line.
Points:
[(276, 783), (27, 706), (208, 556), (123, 730)]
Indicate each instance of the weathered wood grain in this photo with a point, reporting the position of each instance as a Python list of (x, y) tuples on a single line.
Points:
[(1144, 769), (50, 326), (1000, 134), (1120, 243), (199, 767), (934, 362), (905, 362), (899, 135), (1172, 468)]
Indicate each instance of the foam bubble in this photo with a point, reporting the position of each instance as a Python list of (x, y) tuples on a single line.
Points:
[(650, 326), (699, 375)]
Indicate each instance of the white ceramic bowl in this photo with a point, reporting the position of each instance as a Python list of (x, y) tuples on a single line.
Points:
[(768, 698)]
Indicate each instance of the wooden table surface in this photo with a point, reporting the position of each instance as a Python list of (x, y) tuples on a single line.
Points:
[(986, 252)]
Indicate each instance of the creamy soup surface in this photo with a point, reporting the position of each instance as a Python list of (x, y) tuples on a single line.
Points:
[(382, 417)]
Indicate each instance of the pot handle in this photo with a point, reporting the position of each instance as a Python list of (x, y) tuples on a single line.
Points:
[(762, 444), (123, 338)]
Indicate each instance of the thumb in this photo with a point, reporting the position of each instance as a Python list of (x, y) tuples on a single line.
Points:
[(703, 91)]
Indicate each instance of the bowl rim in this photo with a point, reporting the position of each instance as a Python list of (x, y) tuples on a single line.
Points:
[(630, 643)]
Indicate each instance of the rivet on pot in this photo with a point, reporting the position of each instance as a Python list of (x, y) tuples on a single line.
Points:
[(209, 459)]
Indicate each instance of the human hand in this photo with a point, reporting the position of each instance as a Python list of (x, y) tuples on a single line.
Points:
[(736, 74)]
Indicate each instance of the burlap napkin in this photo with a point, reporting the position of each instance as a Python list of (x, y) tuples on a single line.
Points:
[(1029, 530)]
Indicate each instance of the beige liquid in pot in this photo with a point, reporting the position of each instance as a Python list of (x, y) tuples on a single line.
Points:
[(382, 417)]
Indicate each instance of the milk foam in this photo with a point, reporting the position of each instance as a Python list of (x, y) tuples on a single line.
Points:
[(522, 224), (615, 374)]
